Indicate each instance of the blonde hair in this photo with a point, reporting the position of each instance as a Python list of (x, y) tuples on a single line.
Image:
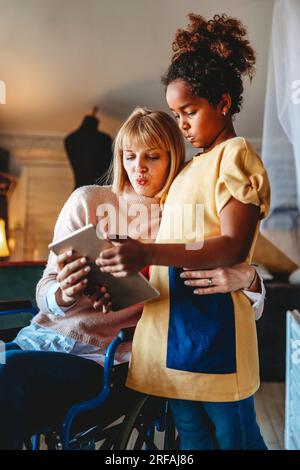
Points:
[(150, 129)]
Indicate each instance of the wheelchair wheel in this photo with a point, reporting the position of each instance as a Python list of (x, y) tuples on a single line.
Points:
[(127, 420), (128, 431), (134, 430), (138, 428)]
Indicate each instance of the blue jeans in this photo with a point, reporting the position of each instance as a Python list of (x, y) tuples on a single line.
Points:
[(217, 425), (38, 387)]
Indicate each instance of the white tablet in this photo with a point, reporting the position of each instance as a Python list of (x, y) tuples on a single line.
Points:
[(125, 291)]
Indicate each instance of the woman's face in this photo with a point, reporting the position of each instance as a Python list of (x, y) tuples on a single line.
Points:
[(147, 169), (198, 120)]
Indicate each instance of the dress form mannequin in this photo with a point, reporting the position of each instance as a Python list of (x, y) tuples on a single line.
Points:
[(89, 151)]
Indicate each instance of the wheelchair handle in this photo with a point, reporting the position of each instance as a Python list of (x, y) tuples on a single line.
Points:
[(126, 334)]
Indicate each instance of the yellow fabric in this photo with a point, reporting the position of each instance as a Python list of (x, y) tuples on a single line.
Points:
[(231, 169), (242, 176)]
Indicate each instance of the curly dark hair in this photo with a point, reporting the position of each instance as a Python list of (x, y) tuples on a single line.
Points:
[(212, 56)]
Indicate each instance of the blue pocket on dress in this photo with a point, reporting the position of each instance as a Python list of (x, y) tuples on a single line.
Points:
[(201, 336)]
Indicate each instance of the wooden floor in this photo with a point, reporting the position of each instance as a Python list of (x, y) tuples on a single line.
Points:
[(269, 404)]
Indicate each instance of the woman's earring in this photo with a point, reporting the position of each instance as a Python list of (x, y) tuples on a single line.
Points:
[(224, 113)]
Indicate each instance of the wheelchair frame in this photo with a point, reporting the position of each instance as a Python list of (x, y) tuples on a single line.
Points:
[(144, 415), (139, 417)]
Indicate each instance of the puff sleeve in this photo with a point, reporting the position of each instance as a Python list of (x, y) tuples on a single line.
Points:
[(242, 176)]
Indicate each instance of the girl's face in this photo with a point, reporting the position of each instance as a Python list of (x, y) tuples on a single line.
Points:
[(198, 120), (147, 169)]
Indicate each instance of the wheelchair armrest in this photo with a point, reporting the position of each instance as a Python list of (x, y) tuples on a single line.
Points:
[(126, 334)]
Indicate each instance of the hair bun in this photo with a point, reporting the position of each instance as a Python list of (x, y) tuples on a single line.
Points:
[(223, 38)]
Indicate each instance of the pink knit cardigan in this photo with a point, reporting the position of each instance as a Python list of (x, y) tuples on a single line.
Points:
[(81, 321)]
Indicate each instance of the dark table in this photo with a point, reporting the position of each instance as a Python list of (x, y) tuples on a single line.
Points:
[(271, 328)]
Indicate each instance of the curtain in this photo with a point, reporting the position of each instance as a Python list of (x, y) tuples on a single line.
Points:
[(281, 133)]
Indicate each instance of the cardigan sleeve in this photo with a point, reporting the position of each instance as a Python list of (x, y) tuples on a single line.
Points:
[(72, 217)]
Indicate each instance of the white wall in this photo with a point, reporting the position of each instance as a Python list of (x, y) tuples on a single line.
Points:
[(61, 57)]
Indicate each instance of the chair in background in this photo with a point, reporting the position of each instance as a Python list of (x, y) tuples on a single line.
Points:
[(18, 282)]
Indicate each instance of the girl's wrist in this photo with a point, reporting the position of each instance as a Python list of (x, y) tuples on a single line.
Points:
[(150, 253)]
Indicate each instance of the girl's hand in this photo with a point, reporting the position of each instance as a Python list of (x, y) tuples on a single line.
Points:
[(71, 275), (124, 258), (101, 300), (219, 280)]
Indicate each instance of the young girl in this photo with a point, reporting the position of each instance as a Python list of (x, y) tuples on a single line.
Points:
[(201, 352)]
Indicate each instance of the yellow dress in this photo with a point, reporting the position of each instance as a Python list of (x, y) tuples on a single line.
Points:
[(192, 347)]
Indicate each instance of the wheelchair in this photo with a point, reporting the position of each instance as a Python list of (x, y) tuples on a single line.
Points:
[(116, 419)]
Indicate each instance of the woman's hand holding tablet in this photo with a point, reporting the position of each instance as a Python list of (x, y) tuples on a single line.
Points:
[(85, 244)]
